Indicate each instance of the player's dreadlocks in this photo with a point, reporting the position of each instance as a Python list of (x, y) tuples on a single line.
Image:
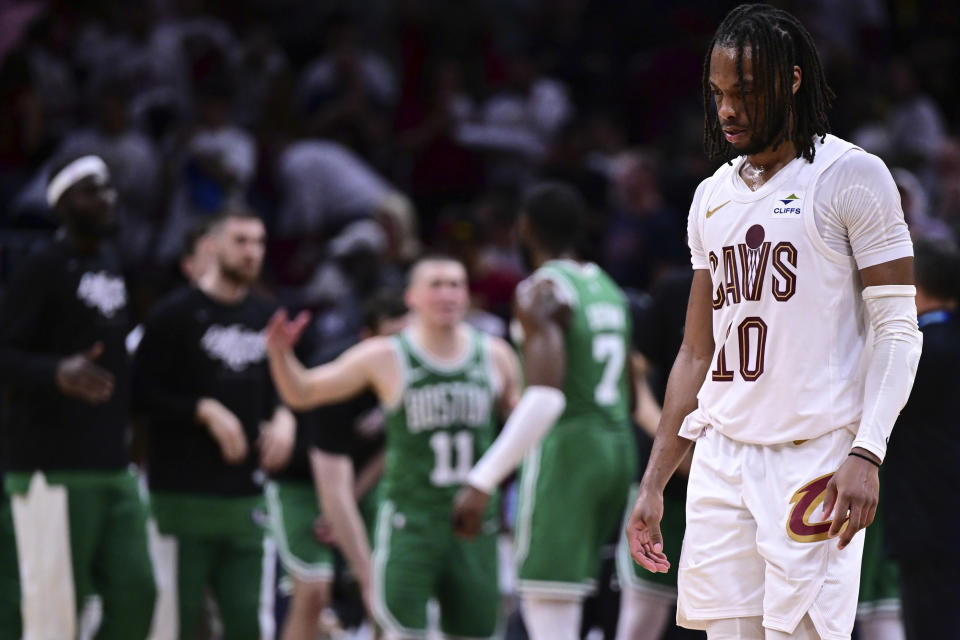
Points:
[(782, 42)]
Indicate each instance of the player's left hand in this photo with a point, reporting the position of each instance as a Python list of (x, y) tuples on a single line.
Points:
[(851, 497), (276, 441), (468, 508), (643, 532)]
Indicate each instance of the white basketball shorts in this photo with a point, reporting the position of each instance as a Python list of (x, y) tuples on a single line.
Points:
[(756, 543)]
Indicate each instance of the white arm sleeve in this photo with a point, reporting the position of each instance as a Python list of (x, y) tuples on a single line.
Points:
[(897, 342), (534, 415)]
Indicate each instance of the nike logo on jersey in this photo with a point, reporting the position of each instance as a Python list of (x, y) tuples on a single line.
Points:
[(710, 212)]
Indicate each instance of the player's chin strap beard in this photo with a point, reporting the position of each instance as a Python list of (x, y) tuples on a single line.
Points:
[(234, 276), (82, 227), (767, 138)]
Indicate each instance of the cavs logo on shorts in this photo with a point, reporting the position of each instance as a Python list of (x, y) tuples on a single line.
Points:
[(805, 501)]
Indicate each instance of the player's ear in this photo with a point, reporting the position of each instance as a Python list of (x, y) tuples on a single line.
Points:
[(797, 78)]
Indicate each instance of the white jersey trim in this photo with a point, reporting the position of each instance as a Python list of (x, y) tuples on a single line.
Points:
[(438, 365), (403, 366)]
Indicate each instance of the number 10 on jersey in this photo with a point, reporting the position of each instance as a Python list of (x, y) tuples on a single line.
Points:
[(752, 343)]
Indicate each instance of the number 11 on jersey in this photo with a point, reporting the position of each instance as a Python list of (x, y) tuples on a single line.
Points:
[(446, 447)]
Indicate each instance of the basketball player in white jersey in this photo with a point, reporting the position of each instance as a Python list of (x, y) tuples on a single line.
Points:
[(800, 348)]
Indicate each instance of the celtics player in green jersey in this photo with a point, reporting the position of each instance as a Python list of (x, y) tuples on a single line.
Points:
[(441, 384), (572, 422)]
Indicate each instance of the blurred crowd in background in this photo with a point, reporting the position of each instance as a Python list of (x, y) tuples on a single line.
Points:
[(362, 132)]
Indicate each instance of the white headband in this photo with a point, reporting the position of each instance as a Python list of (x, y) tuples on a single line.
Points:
[(73, 173)]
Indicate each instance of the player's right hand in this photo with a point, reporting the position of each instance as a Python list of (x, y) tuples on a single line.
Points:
[(643, 532), (323, 532), (468, 509), (77, 376), (225, 428), (282, 333)]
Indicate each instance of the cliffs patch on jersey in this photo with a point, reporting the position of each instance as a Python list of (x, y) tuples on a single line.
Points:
[(787, 205)]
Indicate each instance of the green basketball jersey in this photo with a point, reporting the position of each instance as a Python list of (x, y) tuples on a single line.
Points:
[(597, 343), (444, 422)]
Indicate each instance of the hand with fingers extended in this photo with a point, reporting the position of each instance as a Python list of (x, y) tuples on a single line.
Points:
[(225, 428), (78, 376), (852, 496), (643, 532), (282, 333)]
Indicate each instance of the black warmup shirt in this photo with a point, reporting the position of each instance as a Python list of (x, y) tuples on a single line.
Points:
[(61, 302), (334, 428), (921, 472), (338, 429), (658, 328), (658, 334), (194, 347)]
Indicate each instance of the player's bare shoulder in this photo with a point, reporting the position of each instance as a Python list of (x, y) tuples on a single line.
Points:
[(377, 358), (504, 358), (376, 353), (539, 301), (500, 351)]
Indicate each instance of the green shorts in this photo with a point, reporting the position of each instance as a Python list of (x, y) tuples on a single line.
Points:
[(293, 509), (879, 573), (9, 574), (369, 505), (417, 558), (217, 544), (572, 491), (672, 526), (91, 526)]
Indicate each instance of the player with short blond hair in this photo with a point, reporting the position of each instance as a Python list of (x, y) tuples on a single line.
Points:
[(441, 384)]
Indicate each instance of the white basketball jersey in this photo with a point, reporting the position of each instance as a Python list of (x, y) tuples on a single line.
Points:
[(788, 319)]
